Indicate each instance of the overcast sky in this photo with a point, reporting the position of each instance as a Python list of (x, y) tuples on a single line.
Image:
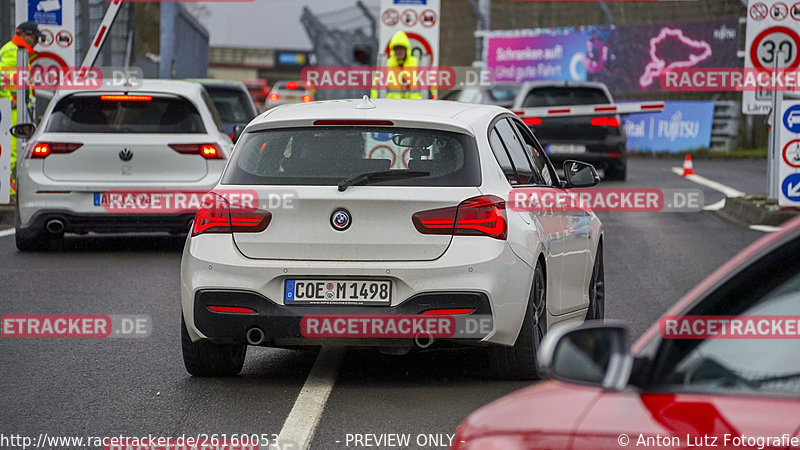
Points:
[(266, 23)]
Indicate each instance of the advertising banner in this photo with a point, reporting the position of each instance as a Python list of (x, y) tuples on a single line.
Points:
[(682, 126), (626, 58)]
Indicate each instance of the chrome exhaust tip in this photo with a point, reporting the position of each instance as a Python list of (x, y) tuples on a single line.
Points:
[(55, 226), (423, 340), (255, 336)]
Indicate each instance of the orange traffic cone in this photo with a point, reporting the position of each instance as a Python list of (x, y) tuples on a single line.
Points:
[(688, 167)]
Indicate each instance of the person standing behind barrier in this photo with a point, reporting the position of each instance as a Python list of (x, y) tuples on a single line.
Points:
[(399, 60), (26, 36)]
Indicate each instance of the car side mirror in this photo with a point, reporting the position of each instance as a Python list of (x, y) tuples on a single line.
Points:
[(237, 133), (23, 130), (580, 175), (595, 354)]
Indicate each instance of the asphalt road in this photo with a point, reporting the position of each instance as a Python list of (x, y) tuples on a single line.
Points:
[(136, 387)]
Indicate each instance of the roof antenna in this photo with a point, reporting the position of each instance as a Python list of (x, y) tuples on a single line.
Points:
[(366, 103)]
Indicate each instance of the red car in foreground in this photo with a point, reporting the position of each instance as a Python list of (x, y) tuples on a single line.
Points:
[(742, 391)]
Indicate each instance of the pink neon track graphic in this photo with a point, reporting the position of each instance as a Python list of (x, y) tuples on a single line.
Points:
[(658, 65)]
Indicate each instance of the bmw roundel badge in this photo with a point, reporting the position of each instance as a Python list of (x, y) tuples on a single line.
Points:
[(341, 219)]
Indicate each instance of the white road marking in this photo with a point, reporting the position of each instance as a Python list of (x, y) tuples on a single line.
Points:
[(765, 228), (8, 232), (303, 419), (716, 206), (726, 190)]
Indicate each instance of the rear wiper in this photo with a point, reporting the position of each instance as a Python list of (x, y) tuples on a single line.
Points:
[(364, 178)]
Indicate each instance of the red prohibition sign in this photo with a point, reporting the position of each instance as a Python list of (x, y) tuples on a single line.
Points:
[(759, 11), (403, 158), (374, 149), (47, 55), (390, 17), (757, 42), (796, 159), (410, 13)]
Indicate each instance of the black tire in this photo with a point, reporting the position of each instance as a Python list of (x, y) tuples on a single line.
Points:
[(597, 289), (519, 362), (207, 359), (29, 240), (616, 173)]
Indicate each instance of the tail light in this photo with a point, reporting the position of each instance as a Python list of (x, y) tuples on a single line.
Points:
[(477, 216), (217, 216), (605, 122), (307, 98), (126, 98), (41, 150), (231, 309), (207, 151), (448, 311), (292, 85), (532, 120), (274, 97)]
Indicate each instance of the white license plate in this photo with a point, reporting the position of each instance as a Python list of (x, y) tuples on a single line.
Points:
[(566, 148), (373, 292)]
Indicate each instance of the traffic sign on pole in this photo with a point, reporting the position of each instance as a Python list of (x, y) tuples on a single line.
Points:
[(789, 143), (57, 21), (419, 19), (773, 40)]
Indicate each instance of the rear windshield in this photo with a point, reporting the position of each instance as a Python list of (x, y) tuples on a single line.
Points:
[(504, 93), (233, 105), (560, 96), (290, 86), (327, 155), (91, 114)]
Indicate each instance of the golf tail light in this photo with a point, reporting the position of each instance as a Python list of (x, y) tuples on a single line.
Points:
[(605, 122), (307, 98), (274, 97), (126, 98), (477, 216), (217, 216), (207, 151), (41, 150)]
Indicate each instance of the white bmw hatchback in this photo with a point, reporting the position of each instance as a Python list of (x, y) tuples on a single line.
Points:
[(108, 160), (396, 208)]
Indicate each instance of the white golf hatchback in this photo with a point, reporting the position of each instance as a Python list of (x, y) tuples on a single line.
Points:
[(369, 214), (110, 161)]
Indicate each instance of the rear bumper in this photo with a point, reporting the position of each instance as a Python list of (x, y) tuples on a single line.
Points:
[(601, 154), (282, 323), (484, 274), (112, 223)]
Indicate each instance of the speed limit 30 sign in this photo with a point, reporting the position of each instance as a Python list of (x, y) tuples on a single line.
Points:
[(773, 38)]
